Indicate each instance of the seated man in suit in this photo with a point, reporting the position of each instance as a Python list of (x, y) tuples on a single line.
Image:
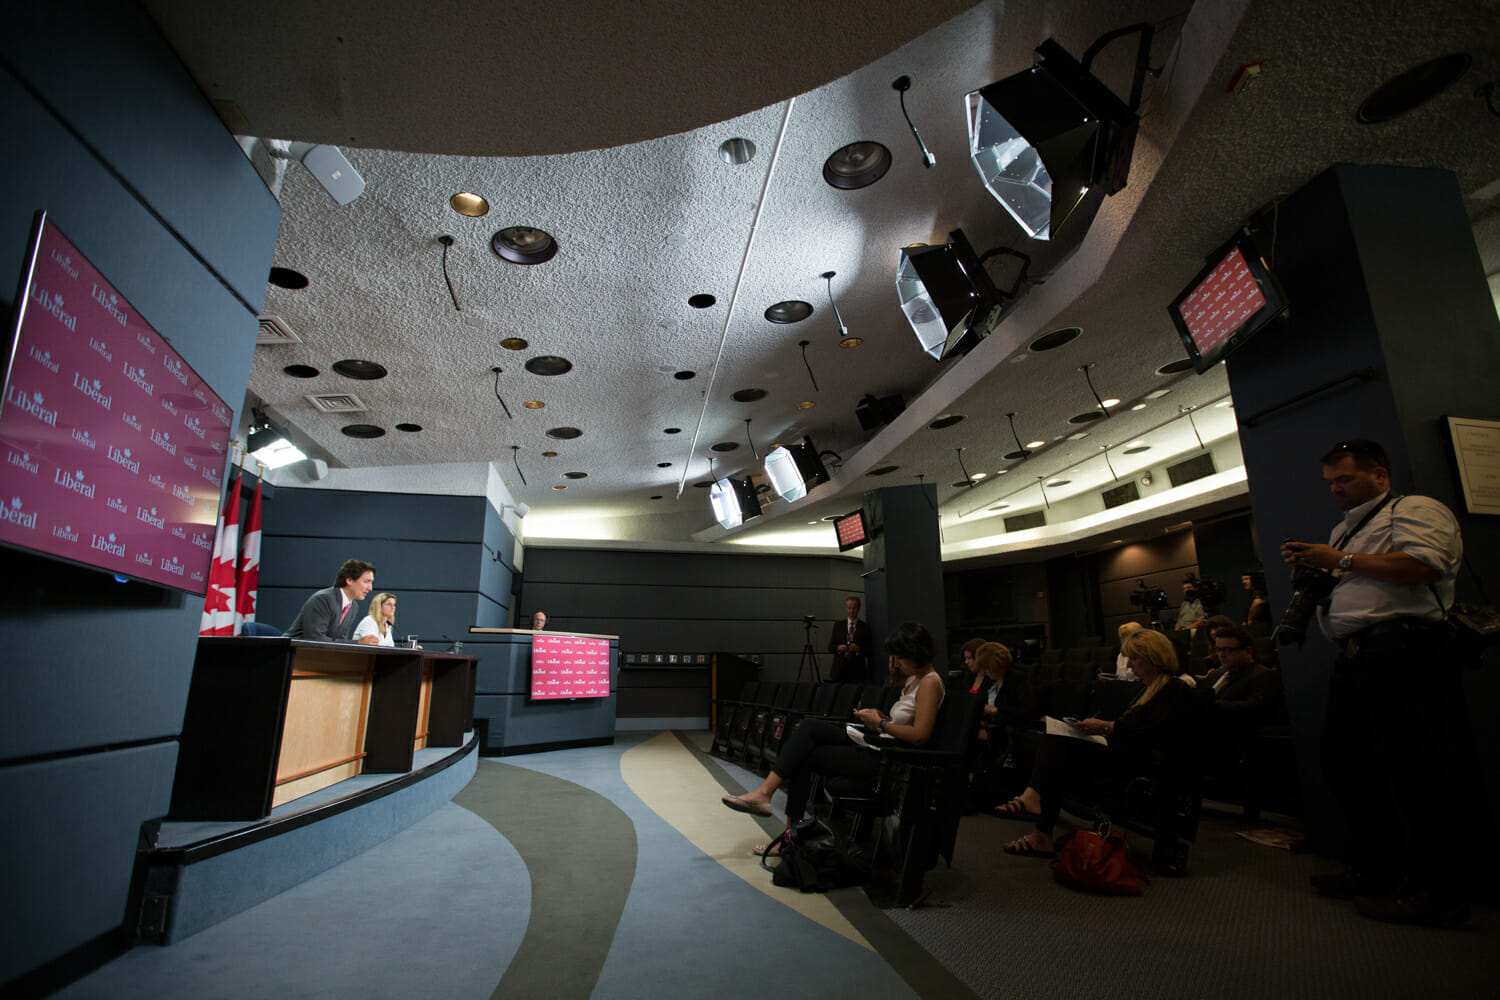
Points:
[(849, 643), (327, 615), (1246, 694)]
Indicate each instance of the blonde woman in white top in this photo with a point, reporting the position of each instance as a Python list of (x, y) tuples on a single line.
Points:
[(378, 628)]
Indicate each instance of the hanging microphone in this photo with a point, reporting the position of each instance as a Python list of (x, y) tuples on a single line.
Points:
[(901, 85)]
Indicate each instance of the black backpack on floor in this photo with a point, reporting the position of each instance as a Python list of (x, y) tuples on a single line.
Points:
[(817, 865)]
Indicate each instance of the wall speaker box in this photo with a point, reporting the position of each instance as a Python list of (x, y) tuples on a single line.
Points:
[(1022, 522), (1120, 495), (1193, 468)]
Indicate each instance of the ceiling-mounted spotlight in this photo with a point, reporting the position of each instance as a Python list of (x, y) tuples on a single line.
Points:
[(332, 169), (734, 501), (795, 469), (856, 165), (901, 85), (1043, 138), (269, 445), (947, 296), (524, 245)]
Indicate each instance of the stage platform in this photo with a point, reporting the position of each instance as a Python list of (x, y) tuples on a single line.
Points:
[(191, 875)]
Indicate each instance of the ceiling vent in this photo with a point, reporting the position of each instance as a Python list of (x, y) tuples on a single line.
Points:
[(1025, 522), (1194, 468), (337, 402), (1119, 495), (273, 330)]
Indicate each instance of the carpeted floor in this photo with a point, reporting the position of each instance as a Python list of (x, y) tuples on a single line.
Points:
[(613, 872)]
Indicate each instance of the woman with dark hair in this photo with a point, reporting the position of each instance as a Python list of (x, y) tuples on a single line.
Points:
[(1156, 720), (1258, 617), (822, 746), (972, 680)]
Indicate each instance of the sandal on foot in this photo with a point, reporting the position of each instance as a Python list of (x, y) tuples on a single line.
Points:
[(770, 849), (740, 805), (1016, 808), (1023, 847)]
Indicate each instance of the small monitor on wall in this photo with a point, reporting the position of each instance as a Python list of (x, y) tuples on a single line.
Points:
[(1231, 299), (851, 531)]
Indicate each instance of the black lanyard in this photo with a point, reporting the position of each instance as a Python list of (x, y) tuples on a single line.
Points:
[(1364, 521)]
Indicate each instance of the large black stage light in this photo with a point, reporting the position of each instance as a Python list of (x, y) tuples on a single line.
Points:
[(1043, 138), (734, 501), (947, 296), (794, 469)]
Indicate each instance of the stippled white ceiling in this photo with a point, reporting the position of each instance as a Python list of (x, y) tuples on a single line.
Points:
[(601, 124)]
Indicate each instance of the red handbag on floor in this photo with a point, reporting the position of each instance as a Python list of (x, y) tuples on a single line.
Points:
[(1085, 860)]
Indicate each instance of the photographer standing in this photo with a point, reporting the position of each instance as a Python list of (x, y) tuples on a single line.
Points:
[(1391, 746)]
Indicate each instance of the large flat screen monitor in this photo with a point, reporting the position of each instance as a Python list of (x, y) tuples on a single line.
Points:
[(569, 666), (1230, 300), (114, 448)]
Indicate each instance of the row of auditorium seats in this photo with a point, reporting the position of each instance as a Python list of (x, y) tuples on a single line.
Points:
[(751, 728)]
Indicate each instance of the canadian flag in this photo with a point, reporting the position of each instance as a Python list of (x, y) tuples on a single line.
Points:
[(248, 577), (218, 603)]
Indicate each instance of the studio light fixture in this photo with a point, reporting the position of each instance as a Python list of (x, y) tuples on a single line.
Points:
[(1045, 137), (733, 501), (948, 296), (795, 469), (856, 165), (269, 445)]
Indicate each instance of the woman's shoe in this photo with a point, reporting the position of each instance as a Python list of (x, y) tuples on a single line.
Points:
[(1022, 847), (770, 849), (1016, 808), (753, 808)]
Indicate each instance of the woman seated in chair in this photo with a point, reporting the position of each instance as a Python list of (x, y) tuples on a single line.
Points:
[(1157, 720), (1009, 705), (824, 747)]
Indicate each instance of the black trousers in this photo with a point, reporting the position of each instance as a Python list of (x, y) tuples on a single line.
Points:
[(1396, 754), (1062, 762), (818, 746)]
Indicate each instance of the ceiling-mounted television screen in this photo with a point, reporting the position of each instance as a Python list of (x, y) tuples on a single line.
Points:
[(1230, 300), (850, 530), (114, 448)]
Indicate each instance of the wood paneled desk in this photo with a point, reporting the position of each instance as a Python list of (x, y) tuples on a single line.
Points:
[(272, 719)]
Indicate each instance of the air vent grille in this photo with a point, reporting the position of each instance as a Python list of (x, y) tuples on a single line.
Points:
[(1023, 522), (338, 402), (1193, 468), (273, 330)]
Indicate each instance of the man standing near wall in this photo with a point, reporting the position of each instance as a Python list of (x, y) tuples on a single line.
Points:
[(850, 643), (1392, 743), (328, 615), (538, 621)]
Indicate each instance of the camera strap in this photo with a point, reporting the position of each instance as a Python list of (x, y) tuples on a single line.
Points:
[(1344, 539)]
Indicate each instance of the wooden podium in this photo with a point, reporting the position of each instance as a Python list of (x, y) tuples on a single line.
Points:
[(272, 719)]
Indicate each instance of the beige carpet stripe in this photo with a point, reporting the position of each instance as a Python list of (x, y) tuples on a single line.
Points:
[(673, 784)]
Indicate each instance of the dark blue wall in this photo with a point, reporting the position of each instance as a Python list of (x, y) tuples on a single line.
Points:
[(107, 132)]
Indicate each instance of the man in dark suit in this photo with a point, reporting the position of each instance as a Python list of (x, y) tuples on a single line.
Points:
[(850, 645), (1246, 693), (329, 614)]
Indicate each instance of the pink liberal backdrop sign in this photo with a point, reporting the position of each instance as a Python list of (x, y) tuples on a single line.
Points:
[(112, 446), (569, 666)]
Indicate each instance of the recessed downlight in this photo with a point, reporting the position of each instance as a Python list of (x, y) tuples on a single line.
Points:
[(549, 454), (470, 204), (724, 446), (1078, 435), (1158, 393), (1055, 339), (514, 344), (560, 486), (684, 375), (1413, 88), (1058, 482), (790, 311), (533, 404), (365, 431), (736, 152), (656, 496), (748, 395), (365, 371), (575, 475), (1136, 449), (564, 433), (702, 300), (1014, 456), (946, 420), (409, 428), (884, 470), (549, 364), (285, 277), (806, 404), (1035, 444), (663, 465), (978, 476), (1175, 367), (672, 430), (848, 342), (705, 484), (301, 371), (1000, 506), (524, 245), (1086, 417), (856, 165)]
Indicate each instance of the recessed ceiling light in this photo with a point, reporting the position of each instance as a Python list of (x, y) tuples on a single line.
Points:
[(1000, 506), (736, 152), (962, 483), (702, 300), (1223, 404), (549, 364), (851, 342), (790, 311), (1055, 339), (575, 475), (1035, 444), (285, 277), (656, 496), (564, 433), (1012, 456), (524, 245), (365, 371), (684, 375), (1175, 367), (1016, 359), (1136, 449), (514, 344), (1158, 393), (301, 371), (856, 165), (672, 430), (663, 465), (979, 475), (1078, 435), (1137, 407), (560, 486), (549, 454), (409, 428), (1001, 472), (362, 431), (946, 420), (747, 395), (724, 446), (1137, 444), (470, 204), (806, 404), (1058, 482), (1110, 403), (1086, 417), (533, 404), (704, 485)]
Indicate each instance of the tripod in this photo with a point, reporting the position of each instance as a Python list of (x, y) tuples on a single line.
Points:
[(809, 654)]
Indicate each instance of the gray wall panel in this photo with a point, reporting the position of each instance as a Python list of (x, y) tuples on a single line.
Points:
[(363, 515)]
